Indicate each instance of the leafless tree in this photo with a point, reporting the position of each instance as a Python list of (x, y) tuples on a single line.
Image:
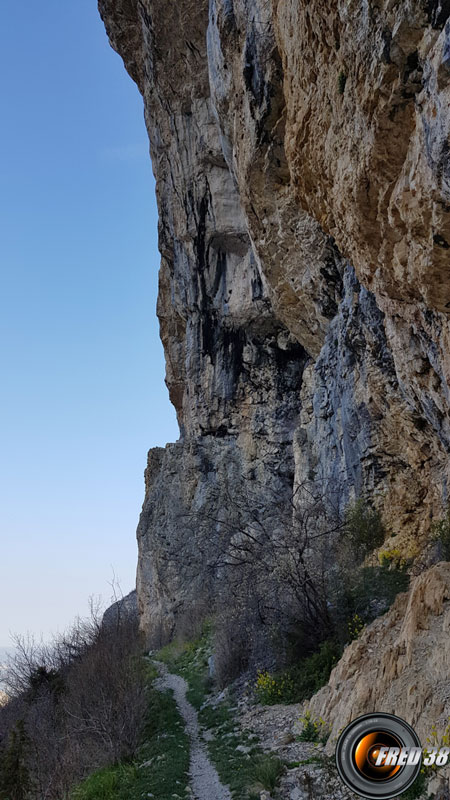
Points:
[(82, 700), (270, 555)]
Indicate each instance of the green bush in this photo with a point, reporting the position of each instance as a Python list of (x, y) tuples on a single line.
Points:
[(441, 533), (417, 789), (369, 593), (376, 589), (112, 783), (363, 528), (301, 680), (267, 771), (313, 672)]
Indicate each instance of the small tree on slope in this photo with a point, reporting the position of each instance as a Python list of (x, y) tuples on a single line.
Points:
[(15, 783)]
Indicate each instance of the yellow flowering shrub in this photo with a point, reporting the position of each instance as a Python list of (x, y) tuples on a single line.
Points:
[(314, 730), (434, 740), (355, 625), (271, 689), (392, 557)]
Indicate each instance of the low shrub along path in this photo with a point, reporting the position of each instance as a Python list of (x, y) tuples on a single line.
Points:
[(205, 782)]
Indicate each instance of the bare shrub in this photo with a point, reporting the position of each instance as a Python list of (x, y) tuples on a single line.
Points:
[(268, 554), (105, 699), (191, 622), (81, 702), (282, 568), (235, 637)]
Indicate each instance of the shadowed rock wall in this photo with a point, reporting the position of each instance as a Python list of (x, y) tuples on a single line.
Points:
[(302, 159)]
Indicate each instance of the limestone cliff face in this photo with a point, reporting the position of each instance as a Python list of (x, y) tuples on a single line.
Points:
[(408, 674), (302, 158)]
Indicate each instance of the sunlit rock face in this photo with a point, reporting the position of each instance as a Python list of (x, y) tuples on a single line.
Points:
[(399, 664), (302, 158)]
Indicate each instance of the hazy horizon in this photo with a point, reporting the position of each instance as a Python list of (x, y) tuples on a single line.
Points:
[(82, 365)]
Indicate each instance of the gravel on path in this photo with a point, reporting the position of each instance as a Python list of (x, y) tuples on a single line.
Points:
[(205, 782)]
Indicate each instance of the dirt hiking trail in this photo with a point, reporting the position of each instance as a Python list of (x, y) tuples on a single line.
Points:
[(204, 780)]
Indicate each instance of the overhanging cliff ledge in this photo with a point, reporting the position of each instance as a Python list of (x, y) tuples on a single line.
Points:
[(302, 160)]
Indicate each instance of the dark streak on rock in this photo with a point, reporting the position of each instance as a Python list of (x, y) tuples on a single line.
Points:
[(437, 11)]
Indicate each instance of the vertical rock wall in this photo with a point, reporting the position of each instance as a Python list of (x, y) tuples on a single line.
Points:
[(302, 162)]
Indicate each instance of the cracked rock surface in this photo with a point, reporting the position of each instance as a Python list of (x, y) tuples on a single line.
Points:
[(302, 160)]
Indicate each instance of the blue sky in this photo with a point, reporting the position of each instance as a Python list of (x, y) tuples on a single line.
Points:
[(82, 370)]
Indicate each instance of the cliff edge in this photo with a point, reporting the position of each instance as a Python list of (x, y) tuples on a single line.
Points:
[(302, 161)]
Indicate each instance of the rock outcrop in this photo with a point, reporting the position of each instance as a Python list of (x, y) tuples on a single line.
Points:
[(408, 674), (302, 160), (123, 610)]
